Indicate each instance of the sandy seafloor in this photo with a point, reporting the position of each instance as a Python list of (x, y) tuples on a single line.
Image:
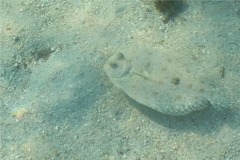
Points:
[(56, 102)]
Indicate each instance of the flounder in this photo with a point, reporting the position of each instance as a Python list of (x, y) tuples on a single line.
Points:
[(168, 83)]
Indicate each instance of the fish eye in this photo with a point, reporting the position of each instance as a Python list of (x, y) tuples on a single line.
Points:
[(120, 56), (114, 65)]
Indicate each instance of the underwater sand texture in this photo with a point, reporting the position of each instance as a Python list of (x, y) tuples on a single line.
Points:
[(56, 101), (168, 83)]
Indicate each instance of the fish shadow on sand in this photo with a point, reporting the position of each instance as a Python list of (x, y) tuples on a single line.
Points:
[(206, 121)]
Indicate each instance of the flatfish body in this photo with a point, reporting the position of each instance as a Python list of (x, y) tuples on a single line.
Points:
[(161, 81)]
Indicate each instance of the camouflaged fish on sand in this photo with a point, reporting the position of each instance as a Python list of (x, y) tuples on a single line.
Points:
[(167, 82)]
